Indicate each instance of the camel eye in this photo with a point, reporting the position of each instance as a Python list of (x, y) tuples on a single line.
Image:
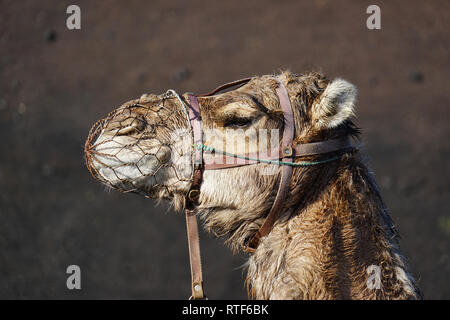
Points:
[(236, 122)]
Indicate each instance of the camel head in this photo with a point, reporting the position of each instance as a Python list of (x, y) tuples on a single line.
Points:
[(145, 146)]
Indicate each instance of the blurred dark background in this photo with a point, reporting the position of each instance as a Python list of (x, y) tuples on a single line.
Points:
[(55, 83)]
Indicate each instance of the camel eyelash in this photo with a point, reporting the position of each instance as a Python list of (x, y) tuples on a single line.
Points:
[(237, 122)]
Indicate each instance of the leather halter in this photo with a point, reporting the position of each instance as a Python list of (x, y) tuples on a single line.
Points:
[(195, 121), (286, 152)]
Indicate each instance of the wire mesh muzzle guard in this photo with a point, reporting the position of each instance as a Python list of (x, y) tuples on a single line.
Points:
[(127, 148)]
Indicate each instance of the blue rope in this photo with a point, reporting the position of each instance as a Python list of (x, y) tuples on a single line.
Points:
[(294, 164)]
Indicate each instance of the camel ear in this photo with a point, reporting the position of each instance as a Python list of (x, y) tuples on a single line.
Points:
[(335, 105)]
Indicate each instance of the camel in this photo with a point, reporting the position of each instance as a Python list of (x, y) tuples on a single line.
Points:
[(333, 239)]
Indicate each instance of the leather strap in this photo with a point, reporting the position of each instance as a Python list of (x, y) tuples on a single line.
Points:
[(196, 123), (194, 255), (191, 200), (286, 171), (299, 150), (195, 119)]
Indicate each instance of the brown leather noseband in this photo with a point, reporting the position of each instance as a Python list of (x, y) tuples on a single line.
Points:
[(286, 152)]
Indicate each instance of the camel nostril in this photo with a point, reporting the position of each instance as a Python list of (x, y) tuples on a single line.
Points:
[(126, 130), (137, 125)]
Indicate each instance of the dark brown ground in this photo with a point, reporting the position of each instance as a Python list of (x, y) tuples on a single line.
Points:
[(56, 83)]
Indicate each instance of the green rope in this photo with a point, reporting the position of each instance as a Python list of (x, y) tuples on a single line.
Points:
[(294, 164)]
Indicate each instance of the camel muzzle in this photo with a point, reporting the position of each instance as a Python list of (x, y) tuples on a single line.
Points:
[(125, 150)]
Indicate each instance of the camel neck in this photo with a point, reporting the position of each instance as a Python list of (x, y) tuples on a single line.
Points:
[(338, 238)]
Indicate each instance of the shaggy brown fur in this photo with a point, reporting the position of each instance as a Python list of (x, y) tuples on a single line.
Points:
[(334, 225)]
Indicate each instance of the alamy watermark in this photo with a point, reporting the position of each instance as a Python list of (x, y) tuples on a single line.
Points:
[(74, 280), (73, 21), (373, 22)]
